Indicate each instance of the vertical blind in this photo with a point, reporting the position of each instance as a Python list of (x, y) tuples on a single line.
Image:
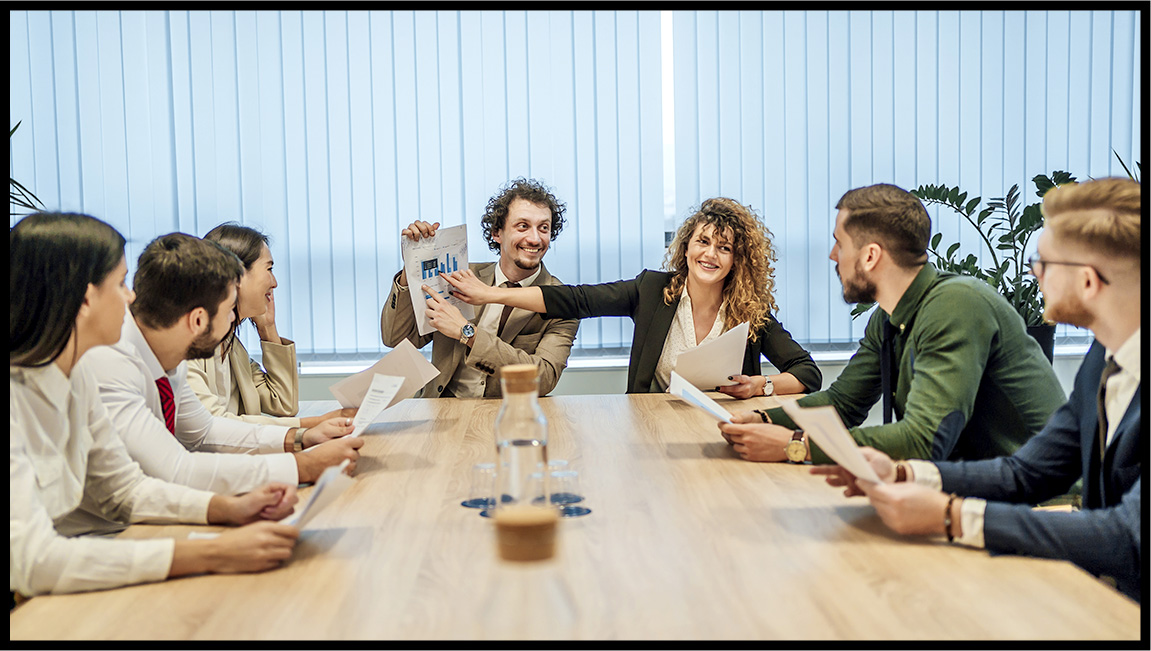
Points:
[(788, 110), (332, 130)]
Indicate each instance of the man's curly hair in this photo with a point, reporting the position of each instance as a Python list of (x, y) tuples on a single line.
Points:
[(496, 214), (748, 288)]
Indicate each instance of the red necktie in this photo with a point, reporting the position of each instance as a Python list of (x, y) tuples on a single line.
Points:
[(167, 403)]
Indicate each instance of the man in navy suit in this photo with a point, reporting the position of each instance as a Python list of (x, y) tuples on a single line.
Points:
[(1088, 266)]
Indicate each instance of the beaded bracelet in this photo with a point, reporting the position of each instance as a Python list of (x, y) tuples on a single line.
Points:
[(947, 518)]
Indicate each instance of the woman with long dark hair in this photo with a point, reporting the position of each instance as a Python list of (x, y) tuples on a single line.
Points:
[(231, 384), (67, 295)]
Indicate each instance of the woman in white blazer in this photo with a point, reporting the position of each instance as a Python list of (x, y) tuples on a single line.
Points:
[(230, 384), (67, 293)]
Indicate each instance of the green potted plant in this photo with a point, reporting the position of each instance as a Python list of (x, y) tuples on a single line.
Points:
[(18, 194)]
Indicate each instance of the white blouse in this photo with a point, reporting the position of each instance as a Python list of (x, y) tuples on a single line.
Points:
[(681, 337), (63, 455)]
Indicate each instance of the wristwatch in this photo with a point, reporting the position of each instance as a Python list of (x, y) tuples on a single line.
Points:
[(795, 450), (467, 332), (768, 386), (298, 443)]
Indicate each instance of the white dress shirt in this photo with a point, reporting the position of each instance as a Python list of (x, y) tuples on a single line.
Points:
[(64, 454), (127, 374), (681, 337), (1121, 389), (469, 381)]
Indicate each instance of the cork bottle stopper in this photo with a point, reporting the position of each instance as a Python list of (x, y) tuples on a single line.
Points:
[(520, 378)]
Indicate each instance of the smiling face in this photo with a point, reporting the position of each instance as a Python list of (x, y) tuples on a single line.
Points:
[(525, 237), (709, 255), (257, 285)]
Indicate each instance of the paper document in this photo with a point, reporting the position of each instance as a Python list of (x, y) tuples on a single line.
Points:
[(684, 390), (824, 427), (708, 365), (403, 361), (331, 484), (446, 251), (380, 394)]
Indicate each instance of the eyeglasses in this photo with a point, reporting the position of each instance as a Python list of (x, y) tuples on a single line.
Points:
[(1037, 267)]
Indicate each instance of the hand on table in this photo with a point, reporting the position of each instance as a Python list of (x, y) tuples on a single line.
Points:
[(839, 476), (332, 428), (755, 440), (312, 462), (272, 501), (255, 547), (907, 508), (747, 386)]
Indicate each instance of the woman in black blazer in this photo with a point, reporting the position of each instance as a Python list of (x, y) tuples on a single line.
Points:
[(719, 274)]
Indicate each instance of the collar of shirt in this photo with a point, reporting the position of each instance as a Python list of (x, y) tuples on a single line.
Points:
[(686, 319), (909, 302), (1128, 356), (48, 380), (130, 335), (526, 282)]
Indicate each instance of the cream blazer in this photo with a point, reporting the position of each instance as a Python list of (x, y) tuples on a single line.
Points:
[(273, 390)]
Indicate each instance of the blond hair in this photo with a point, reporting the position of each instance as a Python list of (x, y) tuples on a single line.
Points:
[(748, 288), (1103, 215)]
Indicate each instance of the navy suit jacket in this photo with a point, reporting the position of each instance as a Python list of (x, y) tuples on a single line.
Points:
[(1104, 537)]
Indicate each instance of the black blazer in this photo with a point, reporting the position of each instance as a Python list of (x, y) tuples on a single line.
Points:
[(642, 300)]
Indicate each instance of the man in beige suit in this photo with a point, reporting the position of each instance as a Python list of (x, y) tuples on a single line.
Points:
[(519, 224)]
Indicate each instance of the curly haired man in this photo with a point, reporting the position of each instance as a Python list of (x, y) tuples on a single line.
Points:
[(519, 224)]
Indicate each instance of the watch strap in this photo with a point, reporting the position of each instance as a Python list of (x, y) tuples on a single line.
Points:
[(298, 444)]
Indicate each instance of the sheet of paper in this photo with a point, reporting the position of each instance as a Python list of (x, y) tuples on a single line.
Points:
[(446, 251), (708, 365), (684, 390), (380, 394), (824, 427), (403, 361), (331, 484)]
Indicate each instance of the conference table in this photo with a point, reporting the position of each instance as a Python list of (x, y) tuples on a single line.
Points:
[(685, 540)]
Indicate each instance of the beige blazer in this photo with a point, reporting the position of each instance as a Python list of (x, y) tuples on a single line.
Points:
[(275, 391), (527, 339)]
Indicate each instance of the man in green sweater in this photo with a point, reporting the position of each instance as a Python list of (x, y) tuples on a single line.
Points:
[(949, 357)]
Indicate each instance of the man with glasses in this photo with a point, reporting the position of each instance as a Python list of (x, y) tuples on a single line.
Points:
[(951, 360), (1088, 266)]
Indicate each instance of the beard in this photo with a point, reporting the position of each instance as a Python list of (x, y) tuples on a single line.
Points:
[(204, 347), (860, 288), (525, 266), (1069, 310)]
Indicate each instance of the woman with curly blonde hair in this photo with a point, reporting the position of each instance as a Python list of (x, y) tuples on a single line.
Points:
[(719, 274)]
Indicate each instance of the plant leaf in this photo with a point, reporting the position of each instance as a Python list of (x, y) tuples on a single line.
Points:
[(935, 240)]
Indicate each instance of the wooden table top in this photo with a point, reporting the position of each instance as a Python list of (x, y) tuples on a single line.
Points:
[(685, 541)]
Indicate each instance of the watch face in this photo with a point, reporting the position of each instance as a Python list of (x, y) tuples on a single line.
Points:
[(469, 330), (796, 452)]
